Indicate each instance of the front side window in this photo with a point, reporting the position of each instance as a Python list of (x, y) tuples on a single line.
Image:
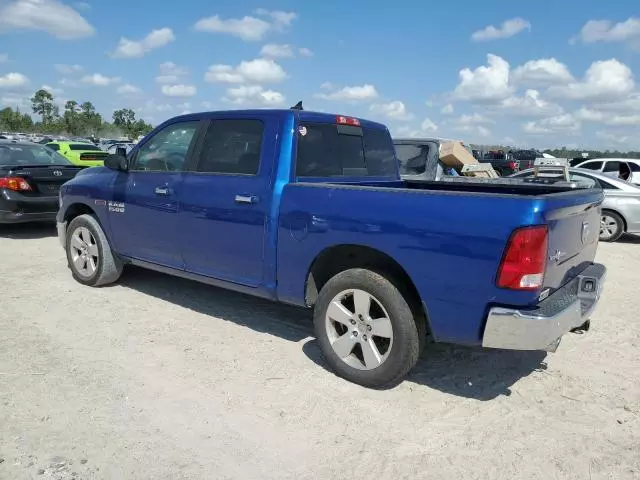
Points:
[(232, 147), (167, 150), (328, 150)]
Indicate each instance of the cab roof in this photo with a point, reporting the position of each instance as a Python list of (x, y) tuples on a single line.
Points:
[(302, 115)]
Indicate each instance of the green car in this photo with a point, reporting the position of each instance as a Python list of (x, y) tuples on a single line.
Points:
[(78, 153)]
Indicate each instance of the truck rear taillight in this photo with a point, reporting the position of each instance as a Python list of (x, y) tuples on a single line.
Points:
[(341, 120), (525, 259), (513, 165), (17, 184)]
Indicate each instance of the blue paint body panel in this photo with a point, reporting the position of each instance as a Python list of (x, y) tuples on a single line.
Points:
[(450, 243)]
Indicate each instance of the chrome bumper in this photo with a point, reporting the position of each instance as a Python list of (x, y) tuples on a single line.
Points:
[(62, 233), (541, 328)]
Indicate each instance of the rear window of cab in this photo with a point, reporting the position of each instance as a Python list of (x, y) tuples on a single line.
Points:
[(330, 150)]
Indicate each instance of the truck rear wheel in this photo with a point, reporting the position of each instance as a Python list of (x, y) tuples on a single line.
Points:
[(88, 253), (366, 328)]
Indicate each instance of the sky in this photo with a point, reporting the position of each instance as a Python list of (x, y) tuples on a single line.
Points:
[(534, 74)]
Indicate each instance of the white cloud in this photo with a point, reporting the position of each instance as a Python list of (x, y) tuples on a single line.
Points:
[(179, 90), (395, 110), (128, 89), (82, 6), (4, 57), (355, 93), (260, 70), (50, 16), (560, 123), (542, 72), (171, 73), (137, 48), (627, 32), (447, 109), (248, 28), (529, 105), (206, 104), (99, 80), (305, 52), (604, 80), (472, 119), (253, 95), (426, 129), (68, 69), (13, 80), (590, 115), (612, 138), (274, 50), (509, 28), (474, 131), (487, 83), (52, 90), (327, 86)]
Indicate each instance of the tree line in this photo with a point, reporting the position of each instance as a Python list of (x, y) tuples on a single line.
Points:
[(77, 119)]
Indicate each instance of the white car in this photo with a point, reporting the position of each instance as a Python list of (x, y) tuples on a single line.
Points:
[(611, 167)]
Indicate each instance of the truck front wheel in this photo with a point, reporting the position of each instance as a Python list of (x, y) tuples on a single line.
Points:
[(88, 253), (366, 329)]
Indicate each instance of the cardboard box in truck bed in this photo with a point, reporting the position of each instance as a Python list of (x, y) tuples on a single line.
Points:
[(453, 154)]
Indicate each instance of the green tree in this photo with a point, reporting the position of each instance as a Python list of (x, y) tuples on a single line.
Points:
[(15, 121), (71, 117), (43, 105), (125, 120)]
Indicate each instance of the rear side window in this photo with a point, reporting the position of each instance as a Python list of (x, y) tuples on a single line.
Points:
[(412, 159), (611, 166), (328, 150), (592, 165), (83, 146), (232, 147)]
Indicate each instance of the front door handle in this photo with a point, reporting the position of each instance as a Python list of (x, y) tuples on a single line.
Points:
[(162, 190), (246, 199)]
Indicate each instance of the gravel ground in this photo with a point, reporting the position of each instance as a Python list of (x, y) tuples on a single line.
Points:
[(161, 378)]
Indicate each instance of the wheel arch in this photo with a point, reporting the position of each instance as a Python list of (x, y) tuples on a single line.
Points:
[(620, 214), (338, 258)]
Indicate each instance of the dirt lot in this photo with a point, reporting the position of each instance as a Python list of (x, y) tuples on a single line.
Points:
[(161, 378)]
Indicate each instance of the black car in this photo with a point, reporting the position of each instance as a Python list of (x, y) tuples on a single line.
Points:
[(30, 178)]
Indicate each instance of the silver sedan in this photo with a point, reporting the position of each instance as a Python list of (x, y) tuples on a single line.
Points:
[(621, 206)]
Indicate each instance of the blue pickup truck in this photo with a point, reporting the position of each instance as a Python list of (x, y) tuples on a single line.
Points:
[(309, 209)]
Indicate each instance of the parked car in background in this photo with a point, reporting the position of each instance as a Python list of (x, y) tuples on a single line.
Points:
[(419, 158), (114, 146), (30, 177), (501, 162), (614, 167), (81, 154), (621, 206), (525, 158), (309, 209)]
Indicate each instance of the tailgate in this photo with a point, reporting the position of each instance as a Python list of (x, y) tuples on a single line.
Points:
[(574, 228)]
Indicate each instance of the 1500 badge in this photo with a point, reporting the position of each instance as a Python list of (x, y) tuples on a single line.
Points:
[(116, 207)]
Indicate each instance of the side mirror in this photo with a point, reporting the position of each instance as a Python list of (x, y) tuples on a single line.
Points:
[(116, 162), (122, 151)]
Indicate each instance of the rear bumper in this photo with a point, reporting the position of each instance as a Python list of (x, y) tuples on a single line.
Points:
[(18, 208), (19, 217), (541, 328)]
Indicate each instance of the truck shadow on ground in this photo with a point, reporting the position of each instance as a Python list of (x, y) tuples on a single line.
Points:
[(628, 238), (461, 371), (27, 231)]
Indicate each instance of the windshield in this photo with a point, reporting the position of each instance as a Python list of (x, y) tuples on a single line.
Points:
[(16, 155)]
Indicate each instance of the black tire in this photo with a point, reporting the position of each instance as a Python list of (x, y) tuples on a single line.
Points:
[(407, 328), (618, 226), (108, 266)]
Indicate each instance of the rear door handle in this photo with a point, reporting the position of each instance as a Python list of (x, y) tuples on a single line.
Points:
[(246, 199), (162, 190)]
